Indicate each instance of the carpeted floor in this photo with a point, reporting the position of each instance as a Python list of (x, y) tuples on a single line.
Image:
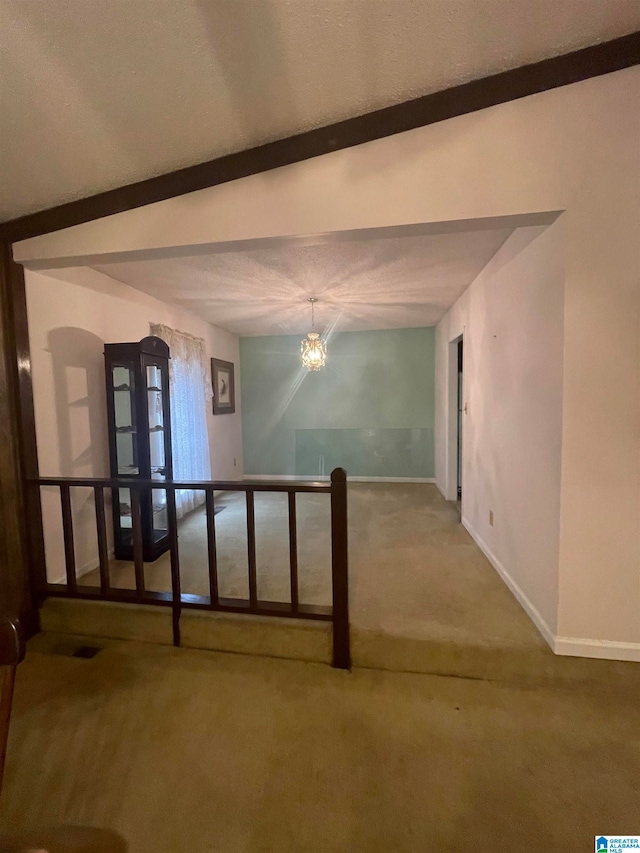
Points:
[(414, 570), (183, 751)]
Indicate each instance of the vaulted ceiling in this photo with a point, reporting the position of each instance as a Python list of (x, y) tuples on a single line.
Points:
[(100, 93)]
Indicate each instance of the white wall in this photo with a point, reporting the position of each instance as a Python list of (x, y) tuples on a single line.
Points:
[(511, 319), (69, 323), (573, 149)]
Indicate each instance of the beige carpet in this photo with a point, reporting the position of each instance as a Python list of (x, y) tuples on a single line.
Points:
[(414, 570), (194, 752)]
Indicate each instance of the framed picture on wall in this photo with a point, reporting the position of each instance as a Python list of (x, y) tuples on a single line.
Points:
[(224, 392)]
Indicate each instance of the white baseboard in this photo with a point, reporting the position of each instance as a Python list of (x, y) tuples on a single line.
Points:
[(607, 649), (89, 566), (288, 477), (391, 479), (533, 613), (570, 646), (285, 477), (441, 489)]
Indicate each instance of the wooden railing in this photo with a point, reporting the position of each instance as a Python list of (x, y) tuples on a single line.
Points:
[(337, 613)]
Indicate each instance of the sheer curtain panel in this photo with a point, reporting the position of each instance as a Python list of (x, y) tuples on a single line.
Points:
[(189, 393)]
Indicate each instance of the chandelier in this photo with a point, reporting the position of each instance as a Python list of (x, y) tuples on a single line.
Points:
[(313, 348)]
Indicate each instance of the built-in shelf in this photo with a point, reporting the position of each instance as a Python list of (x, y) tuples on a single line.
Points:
[(126, 430)]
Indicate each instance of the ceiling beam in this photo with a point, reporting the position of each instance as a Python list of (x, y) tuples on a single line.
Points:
[(499, 88)]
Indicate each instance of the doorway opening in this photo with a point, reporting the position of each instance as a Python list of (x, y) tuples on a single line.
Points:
[(455, 425)]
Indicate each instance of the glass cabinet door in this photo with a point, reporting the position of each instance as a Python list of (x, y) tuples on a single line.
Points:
[(125, 420), (157, 447), (126, 444)]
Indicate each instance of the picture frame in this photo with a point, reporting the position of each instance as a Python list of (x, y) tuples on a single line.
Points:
[(224, 391)]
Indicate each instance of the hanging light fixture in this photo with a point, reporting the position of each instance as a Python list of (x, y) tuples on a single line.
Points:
[(313, 348)]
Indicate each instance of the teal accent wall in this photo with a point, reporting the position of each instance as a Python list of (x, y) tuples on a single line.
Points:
[(370, 410)]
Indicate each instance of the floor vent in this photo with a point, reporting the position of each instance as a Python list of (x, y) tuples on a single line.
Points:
[(86, 652), (74, 651)]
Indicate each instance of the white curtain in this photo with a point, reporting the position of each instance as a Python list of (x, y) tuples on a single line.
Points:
[(189, 394)]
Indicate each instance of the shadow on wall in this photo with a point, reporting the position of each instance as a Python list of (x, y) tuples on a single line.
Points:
[(77, 359), (77, 362)]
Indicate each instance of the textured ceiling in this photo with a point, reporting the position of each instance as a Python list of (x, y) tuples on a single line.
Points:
[(391, 283), (99, 93)]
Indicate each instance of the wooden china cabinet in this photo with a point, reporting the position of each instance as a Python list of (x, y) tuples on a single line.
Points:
[(137, 376)]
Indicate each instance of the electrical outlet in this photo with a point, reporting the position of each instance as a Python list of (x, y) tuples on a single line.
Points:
[(491, 517)]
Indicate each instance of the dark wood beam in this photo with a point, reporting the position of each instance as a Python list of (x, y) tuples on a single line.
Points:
[(19, 541), (27, 441), (466, 98)]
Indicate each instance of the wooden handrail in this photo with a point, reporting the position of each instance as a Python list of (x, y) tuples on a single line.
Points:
[(193, 485), (293, 551), (340, 570), (338, 613), (176, 591), (212, 551)]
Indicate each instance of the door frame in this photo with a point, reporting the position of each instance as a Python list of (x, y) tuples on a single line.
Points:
[(451, 482)]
